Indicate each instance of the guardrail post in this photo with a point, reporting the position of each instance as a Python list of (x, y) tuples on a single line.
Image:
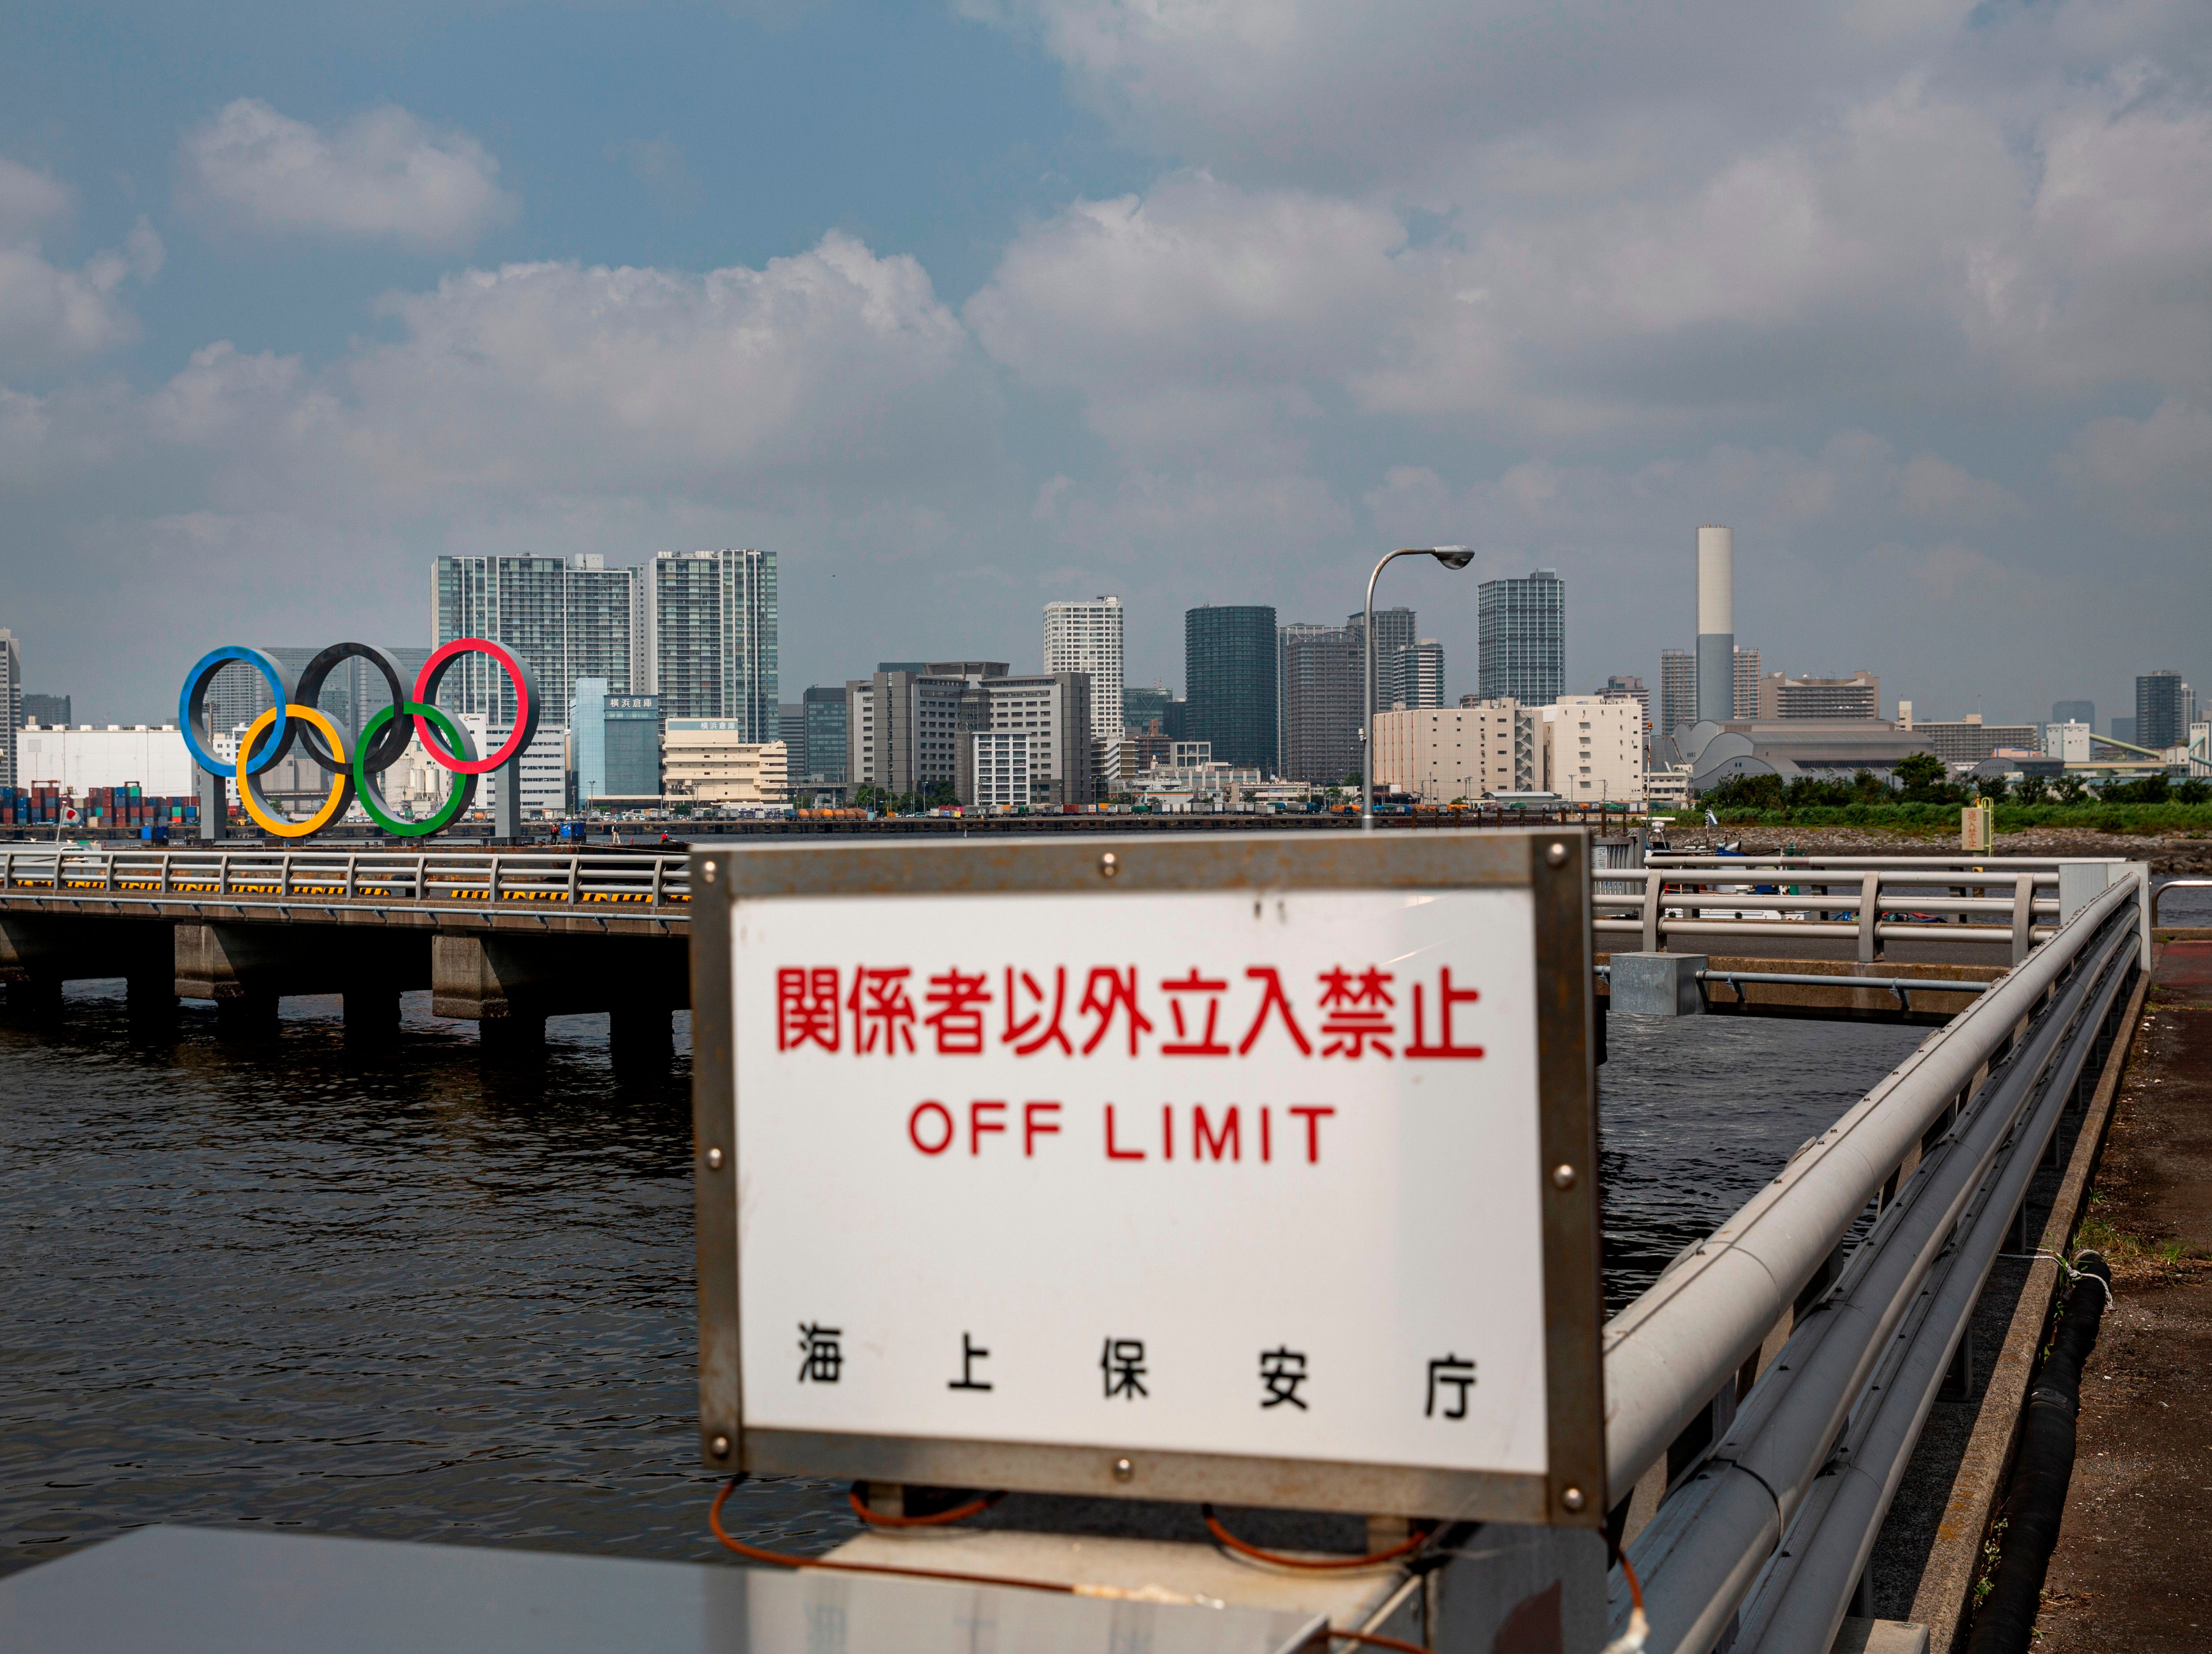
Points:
[(575, 870), (222, 875), (284, 878), (2023, 915), (169, 870), (1654, 885), (352, 862), (1869, 918), (108, 861), (492, 891), (659, 874)]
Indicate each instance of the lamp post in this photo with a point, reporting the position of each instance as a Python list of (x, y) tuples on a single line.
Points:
[(1450, 557)]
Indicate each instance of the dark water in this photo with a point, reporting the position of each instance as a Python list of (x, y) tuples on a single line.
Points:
[(402, 1293), (398, 1295)]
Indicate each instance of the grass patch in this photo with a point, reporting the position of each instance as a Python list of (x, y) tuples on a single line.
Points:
[(2130, 1256)]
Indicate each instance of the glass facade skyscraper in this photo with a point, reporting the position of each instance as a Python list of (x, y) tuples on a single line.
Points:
[(1229, 668), (1523, 625), (826, 754), (714, 638)]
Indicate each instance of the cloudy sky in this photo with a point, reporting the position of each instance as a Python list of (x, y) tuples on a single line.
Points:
[(963, 306)]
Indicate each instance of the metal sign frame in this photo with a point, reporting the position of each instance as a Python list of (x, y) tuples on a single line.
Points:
[(1553, 864)]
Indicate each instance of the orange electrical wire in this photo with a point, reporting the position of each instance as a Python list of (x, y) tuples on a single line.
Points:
[(1213, 1526), (779, 1559), (957, 1514)]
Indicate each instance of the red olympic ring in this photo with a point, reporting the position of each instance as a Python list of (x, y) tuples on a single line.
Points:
[(526, 705)]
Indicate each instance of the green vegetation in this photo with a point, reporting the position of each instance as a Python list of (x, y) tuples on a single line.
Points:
[(1928, 800)]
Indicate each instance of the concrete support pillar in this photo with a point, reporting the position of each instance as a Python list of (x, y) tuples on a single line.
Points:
[(1657, 984), (642, 1039)]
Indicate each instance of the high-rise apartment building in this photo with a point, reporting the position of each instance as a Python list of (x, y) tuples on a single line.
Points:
[(2073, 711), (1678, 690), (1747, 683), (1322, 678), (11, 704), (1289, 632), (45, 709), (826, 754), (1621, 684), (1395, 630), (1417, 676), (1086, 637), (713, 627), (2163, 707), (569, 617), (1523, 631), (1230, 666)]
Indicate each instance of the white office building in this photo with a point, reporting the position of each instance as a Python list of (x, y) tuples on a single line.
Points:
[(708, 761), (1086, 637)]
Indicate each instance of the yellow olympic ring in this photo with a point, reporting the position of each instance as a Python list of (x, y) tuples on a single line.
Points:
[(249, 786)]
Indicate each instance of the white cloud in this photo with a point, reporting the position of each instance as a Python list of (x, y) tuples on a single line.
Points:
[(383, 173), (2153, 475), (49, 313)]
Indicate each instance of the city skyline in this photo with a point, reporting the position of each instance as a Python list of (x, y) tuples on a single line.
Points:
[(307, 299)]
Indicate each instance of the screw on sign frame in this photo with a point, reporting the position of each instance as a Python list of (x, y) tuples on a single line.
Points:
[(294, 719)]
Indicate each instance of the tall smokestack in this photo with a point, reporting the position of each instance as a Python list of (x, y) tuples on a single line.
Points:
[(1716, 625)]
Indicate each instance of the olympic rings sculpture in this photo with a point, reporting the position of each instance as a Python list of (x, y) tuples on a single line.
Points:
[(294, 719)]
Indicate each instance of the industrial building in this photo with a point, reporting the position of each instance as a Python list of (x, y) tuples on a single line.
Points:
[(1968, 740), (1594, 749), (77, 758), (1470, 751)]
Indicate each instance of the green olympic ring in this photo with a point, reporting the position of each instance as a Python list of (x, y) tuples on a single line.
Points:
[(458, 795)]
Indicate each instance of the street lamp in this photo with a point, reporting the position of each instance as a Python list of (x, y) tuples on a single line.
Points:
[(1450, 557)]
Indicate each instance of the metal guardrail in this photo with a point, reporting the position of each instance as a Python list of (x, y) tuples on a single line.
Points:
[(440, 880), (2159, 893), (1777, 1522), (1862, 903)]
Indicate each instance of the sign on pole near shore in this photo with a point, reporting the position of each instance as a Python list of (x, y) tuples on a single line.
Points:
[(1253, 1170)]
